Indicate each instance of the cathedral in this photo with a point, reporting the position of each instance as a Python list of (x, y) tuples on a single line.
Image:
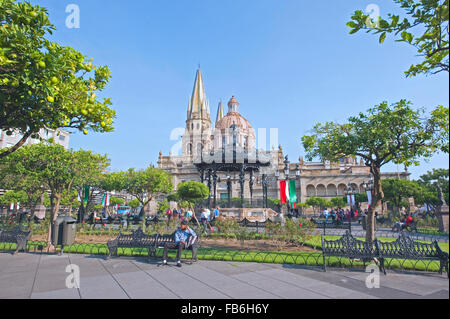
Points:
[(207, 142)]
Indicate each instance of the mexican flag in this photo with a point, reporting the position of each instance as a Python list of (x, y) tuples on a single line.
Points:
[(288, 193), (292, 193), (86, 194), (105, 199)]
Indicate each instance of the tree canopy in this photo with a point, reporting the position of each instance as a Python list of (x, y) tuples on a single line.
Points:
[(192, 191), (144, 184), (425, 27), (44, 84), (396, 190), (382, 135)]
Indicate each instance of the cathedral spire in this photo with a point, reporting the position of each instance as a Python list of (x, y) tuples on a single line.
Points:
[(220, 113), (198, 105)]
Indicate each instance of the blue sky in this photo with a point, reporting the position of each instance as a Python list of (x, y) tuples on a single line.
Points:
[(290, 64)]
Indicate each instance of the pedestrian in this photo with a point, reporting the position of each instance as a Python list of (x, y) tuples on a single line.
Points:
[(216, 212), (204, 219), (325, 214), (169, 215), (182, 213)]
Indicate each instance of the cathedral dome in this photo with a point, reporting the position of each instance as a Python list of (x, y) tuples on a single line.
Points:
[(233, 117), (236, 119)]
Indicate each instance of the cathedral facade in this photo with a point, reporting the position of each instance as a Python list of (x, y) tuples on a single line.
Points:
[(202, 139)]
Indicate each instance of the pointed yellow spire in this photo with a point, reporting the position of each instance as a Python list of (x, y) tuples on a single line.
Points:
[(198, 105), (220, 113)]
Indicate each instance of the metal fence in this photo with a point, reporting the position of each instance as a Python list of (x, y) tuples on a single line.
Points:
[(313, 259)]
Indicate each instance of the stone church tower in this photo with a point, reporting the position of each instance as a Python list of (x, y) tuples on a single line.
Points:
[(197, 137)]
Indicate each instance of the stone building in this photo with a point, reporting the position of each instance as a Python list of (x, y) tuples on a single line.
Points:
[(202, 139), (59, 136)]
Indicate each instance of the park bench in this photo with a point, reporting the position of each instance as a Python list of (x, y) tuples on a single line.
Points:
[(15, 236), (137, 239), (348, 247), (163, 239), (247, 223), (403, 248), (407, 248), (154, 220), (332, 225)]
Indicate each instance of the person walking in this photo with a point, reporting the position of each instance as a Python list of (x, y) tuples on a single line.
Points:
[(325, 214), (216, 212), (204, 219), (169, 215), (333, 215)]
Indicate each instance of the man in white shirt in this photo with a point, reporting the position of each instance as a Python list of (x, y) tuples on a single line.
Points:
[(325, 214)]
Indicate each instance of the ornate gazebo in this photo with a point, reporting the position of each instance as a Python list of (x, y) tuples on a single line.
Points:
[(231, 159)]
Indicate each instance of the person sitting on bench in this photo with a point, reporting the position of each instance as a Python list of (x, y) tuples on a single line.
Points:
[(184, 238)]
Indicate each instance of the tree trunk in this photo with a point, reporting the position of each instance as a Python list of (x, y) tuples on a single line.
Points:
[(376, 200), (81, 213), (55, 209)]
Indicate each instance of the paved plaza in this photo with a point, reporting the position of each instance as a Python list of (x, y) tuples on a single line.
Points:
[(38, 276)]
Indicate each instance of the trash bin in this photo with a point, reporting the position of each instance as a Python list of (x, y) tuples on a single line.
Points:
[(63, 231)]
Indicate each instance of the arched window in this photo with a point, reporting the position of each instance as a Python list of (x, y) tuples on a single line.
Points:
[(310, 190), (331, 190), (321, 190), (189, 149)]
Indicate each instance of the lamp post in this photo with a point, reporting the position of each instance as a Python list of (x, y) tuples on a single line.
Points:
[(297, 174), (368, 187), (215, 187), (229, 189), (251, 182), (209, 187), (241, 182), (286, 176), (264, 183), (350, 191)]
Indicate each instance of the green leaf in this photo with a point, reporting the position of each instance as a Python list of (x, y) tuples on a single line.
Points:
[(382, 37), (351, 24)]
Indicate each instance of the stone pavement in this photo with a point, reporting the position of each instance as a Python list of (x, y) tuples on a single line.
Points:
[(44, 276)]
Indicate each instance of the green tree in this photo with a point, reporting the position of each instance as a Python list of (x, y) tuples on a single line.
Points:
[(89, 170), (44, 84), (134, 203), (317, 203), (147, 184), (192, 192), (12, 179), (431, 178), (163, 205), (52, 165), (383, 135), (13, 197), (116, 200), (338, 202), (397, 190), (425, 27)]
